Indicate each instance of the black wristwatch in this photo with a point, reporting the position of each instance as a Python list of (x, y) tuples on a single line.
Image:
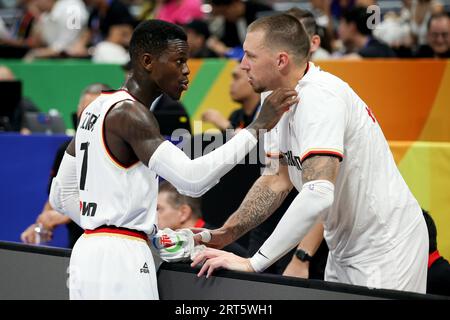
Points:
[(302, 255)]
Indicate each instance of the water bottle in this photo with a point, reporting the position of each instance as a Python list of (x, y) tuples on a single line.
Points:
[(41, 234)]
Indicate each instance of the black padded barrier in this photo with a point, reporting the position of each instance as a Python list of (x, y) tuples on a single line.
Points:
[(39, 272)]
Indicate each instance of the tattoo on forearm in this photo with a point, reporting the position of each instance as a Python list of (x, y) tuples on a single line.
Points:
[(320, 167), (258, 205)]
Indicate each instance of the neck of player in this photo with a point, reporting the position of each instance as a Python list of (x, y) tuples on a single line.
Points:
[(293, 76), (144, 90)]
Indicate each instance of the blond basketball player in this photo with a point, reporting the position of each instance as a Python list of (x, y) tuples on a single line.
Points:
[(108, 179), (334, 153)]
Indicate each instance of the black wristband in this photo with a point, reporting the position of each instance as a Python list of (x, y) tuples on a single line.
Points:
[(302, 255)]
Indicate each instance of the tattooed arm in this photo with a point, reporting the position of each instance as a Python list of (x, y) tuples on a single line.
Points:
[(314, 168), (316, 196), (320, 168), (265, 196)]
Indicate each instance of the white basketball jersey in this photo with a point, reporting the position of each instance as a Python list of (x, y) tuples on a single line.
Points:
[(373, 207), (110, 193)]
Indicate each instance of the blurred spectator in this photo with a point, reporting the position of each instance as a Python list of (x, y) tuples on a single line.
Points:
[(402, 33), (16, 42), (233, 17), (114, 49), (405, 11), (321, 10), (23, 29), (241, 92), (177, 211), (58, 28), (438, 38), (438, 278), (16, 122), (111, 21), (110, 52), (106, 16), (395, 30), (197, 34), (420, 13), (148, 10), (312, 29), (178, 11), (338, 7), (49, 218), (357, 36)]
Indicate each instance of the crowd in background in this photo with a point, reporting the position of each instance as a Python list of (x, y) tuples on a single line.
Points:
[(101, 29)]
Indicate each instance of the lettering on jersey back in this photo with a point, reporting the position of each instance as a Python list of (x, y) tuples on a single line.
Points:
[(88, 208), (292, 160), (89, 121)]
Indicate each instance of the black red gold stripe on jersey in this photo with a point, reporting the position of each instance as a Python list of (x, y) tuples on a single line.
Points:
[(118, 231), (322, 153)]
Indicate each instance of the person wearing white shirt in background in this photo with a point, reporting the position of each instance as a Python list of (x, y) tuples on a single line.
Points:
[(58, 27)]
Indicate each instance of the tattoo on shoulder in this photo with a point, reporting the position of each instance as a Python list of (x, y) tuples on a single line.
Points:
[(320, 167)]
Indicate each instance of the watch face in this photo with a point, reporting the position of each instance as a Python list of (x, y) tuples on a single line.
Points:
[(302, 255)]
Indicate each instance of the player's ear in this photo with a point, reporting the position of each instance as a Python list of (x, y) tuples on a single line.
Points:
[(283, 60), (315, 43), (147, 61), (185, 213)]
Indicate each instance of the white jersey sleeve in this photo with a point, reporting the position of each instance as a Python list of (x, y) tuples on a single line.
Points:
[(321, 120)]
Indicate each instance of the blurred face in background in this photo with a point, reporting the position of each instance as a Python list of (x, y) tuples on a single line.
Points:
[(168, 215), (120, 34), (438, 35), (240, 89), (346, 30), (195, 41)]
